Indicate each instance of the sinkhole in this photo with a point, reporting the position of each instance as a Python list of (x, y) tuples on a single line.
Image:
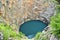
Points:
[(30, 28)]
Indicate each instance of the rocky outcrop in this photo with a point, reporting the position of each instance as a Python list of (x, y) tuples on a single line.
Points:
[(1, 36), (16, 12)]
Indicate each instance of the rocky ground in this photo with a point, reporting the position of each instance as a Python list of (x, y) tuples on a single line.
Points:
[(16, 12)]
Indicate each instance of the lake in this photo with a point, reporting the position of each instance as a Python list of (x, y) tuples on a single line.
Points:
[(30, 28)]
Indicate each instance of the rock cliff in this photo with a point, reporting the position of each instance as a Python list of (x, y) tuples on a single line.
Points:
[(16, 12)]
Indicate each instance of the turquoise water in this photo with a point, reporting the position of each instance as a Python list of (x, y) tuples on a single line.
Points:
[(30, 28)]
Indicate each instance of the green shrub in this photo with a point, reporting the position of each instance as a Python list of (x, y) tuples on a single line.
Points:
[(55, 24), (41, 36), (58, 1), (37, 37), (8, 32), (55, 21)]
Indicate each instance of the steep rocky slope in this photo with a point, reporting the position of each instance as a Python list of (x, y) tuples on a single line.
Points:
[(16, 12)]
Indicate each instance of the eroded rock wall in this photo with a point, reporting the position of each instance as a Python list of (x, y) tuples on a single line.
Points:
[(16, 12)]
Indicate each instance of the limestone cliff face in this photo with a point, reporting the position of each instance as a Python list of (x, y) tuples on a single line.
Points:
[(16, 12)]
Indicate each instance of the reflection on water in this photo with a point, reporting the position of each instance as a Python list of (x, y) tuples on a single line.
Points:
[(31, 36)]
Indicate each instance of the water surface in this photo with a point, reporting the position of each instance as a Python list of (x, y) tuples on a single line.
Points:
[(30, 28)]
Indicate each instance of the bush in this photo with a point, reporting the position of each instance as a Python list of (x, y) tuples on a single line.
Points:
[(55, 24), (8, 32), (38, 35), (55, 21), (41, 36)]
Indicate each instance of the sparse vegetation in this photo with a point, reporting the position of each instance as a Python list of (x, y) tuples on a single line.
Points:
[(8, 32), (37, 37), (41, 36), (12, 14), (55, 24), (55, 21)]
